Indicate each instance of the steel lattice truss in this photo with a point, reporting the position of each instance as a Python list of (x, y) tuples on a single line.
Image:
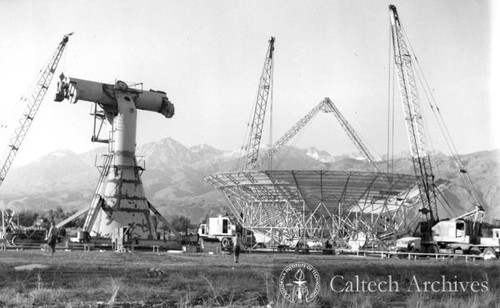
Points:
[(286, 205), (33, 102), (413, 116), (257, 124)]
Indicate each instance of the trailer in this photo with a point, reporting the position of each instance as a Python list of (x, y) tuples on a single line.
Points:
[(221, 230)]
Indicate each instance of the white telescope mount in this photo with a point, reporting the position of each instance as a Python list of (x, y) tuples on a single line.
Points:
[(119, 206)]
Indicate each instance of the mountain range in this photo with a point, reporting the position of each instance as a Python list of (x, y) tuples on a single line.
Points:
[(173, 179)]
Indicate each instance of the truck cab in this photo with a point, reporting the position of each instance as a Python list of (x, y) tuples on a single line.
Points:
[(217, 226), (456, 231), (223, 229), (451, 236)]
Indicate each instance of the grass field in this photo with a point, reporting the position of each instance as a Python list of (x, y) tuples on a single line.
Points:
[(145, 279)]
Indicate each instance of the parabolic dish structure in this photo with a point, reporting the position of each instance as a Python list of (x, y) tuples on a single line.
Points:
[(347, 207)]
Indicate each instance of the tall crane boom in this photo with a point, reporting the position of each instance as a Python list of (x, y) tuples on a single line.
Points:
[(291, 133), (33, 102), (326, 106), (351, 133), (413, 118), (255, 134)]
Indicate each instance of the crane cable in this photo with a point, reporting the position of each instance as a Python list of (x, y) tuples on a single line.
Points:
[(444, 128), (8, 123), (448, 207), (64, 58), (391, 118), (243, 148), (248, 130), (390, 110), (420, 76), (14, 114)]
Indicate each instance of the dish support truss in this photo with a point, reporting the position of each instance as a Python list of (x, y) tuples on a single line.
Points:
[(284, 206)]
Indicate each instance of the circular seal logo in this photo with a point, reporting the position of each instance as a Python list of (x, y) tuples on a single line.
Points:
[(299, 283)]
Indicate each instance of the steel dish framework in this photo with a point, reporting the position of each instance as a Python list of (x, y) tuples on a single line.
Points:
[(284, 206)]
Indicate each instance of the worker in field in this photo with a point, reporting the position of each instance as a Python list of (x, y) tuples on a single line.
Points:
[(236, 247), (52, 237)]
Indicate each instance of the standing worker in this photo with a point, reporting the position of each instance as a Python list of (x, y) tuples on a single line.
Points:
[(52, 237), (237, 247)]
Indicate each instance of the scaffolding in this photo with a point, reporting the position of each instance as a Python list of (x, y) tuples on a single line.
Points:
[(284, 206)]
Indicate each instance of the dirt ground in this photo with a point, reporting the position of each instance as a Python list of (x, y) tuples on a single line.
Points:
[(147, 279)]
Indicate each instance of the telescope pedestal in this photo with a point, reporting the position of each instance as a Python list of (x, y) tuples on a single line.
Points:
[(124, 201), (119, 208)]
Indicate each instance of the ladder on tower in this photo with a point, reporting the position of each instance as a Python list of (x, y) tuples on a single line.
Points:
[(97, 200)]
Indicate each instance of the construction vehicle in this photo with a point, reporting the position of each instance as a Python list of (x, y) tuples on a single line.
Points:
[(11, 232), (223, 229), (33, 102), (465, 233), (456, 235), (16, 235)]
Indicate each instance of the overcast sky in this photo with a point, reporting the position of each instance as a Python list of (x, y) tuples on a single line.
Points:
[(208, 57)]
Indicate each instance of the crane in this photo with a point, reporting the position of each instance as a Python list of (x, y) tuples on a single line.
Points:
[(326, 106), (433, 235), (265, 86), (33, 102), (413, 118)]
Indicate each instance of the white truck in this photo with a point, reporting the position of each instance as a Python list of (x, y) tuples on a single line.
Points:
[(222, 229), (455, 236)]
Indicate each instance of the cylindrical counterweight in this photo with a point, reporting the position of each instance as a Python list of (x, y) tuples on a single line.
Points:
[(104, 94)]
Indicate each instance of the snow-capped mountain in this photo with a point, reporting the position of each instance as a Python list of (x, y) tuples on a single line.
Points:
[(174, 174)]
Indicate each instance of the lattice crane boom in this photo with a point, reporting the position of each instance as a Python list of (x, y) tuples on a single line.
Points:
[(326, 106), (290, 133), (256, 126), (413, 118), (351, 133), (33, 102)]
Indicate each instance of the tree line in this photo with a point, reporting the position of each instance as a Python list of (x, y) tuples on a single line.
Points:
[(28, 218)]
